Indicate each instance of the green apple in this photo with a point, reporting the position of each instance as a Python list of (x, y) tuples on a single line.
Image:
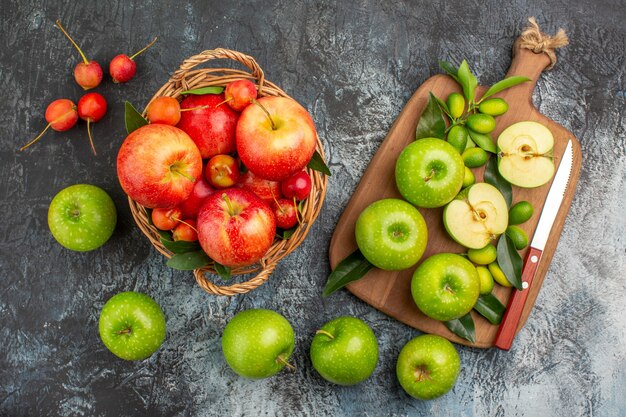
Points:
[(82, 217), (132, 325), (257, 343), (525, 154), (445, 286), (344, 351), (476, 216), (391, 234), (428, 367), (429, 172)]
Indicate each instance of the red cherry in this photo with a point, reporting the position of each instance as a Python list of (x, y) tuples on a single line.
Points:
[(61, 115), (123, 68), (186, 231), (285, 211), (297, 186), (166, 219), (88, 74), (222, 171), (91, 107), (164, 110), (238, 94)]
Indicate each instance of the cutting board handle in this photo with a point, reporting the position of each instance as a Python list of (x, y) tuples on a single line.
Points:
[(528, 64)]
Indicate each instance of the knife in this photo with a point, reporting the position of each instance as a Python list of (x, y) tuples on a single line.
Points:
[(506, 332)]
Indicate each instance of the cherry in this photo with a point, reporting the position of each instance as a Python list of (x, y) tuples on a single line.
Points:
[(123, 68), (186, 231), (286, 213), (222, 171), (165, 110), (91, 107), (61, 115), (239, 94), (297, 186), (88, 74), (166, 219)]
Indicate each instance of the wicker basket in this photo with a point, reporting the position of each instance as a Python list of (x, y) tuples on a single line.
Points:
[(187, 78)]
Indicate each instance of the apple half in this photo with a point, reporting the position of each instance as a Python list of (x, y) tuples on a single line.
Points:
[(477, 215), (525, 154)]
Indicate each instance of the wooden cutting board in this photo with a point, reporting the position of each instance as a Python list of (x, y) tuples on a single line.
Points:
[(389, 291)]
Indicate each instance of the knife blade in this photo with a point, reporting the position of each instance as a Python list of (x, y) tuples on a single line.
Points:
[(512, 316)]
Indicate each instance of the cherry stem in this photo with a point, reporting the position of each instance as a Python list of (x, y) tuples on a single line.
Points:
[(282, 210), (48, 127), (127, 330), (429, 177), (206, 106), (73, 43), (266, 113), (176, 219), (90, 138), (144, 49), (284, 362), (325, 333), (222, 102)]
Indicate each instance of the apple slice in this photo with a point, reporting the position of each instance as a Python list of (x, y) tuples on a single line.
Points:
[(476, 216), (525, 154)]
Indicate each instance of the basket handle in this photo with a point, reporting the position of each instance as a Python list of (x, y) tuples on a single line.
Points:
[(220, 53), (234, 289)]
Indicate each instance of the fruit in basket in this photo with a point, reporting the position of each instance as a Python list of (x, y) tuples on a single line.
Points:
[(191, 206), (123, 68), (276, 137), (265, 189), (285, 212), (476, 216), (429, 172), (445, 286), (158, 165), (82, 217), (132, 325), (164, 110), (240, 93), (345, 351), (88, 74), (235, 227), (297, 186), (428, 367), (391, 234), (186, 230), (222, 171), (257, 343), (61, 115), (211, 126), (525, 154), (166, 219), (91, 108)]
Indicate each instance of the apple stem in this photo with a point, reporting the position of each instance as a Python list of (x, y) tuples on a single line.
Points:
[(175, 169), (266, 113), (284, 362), (206, 106), (144, 49), (429, 177), (231, 209), (47, 127), (325, 333), (127, 330), (90, 138), (73, 43)]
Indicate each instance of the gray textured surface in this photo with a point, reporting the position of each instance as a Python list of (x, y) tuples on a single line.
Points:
[(353, 65)]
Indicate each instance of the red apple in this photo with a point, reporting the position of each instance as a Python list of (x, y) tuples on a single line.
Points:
[(191, 206), (235, 227), (211, 127), (222, 171), (265, 189), (285, 212), (158, 166), (276, 138)]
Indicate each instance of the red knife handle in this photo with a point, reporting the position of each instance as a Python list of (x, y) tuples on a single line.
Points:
[(513, 314)]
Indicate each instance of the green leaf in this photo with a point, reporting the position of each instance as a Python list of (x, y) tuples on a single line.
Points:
[(179, 246), (204, 90), (443, 106), (317, 163), (509, 261), (352, 268), (483, 141), (189, 261), (431, 123), (222, 271), (467, 81), (463, 327), (286, 234), (503, 85), (492, 176), (490, 308), (132, 118), (450, 70)]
